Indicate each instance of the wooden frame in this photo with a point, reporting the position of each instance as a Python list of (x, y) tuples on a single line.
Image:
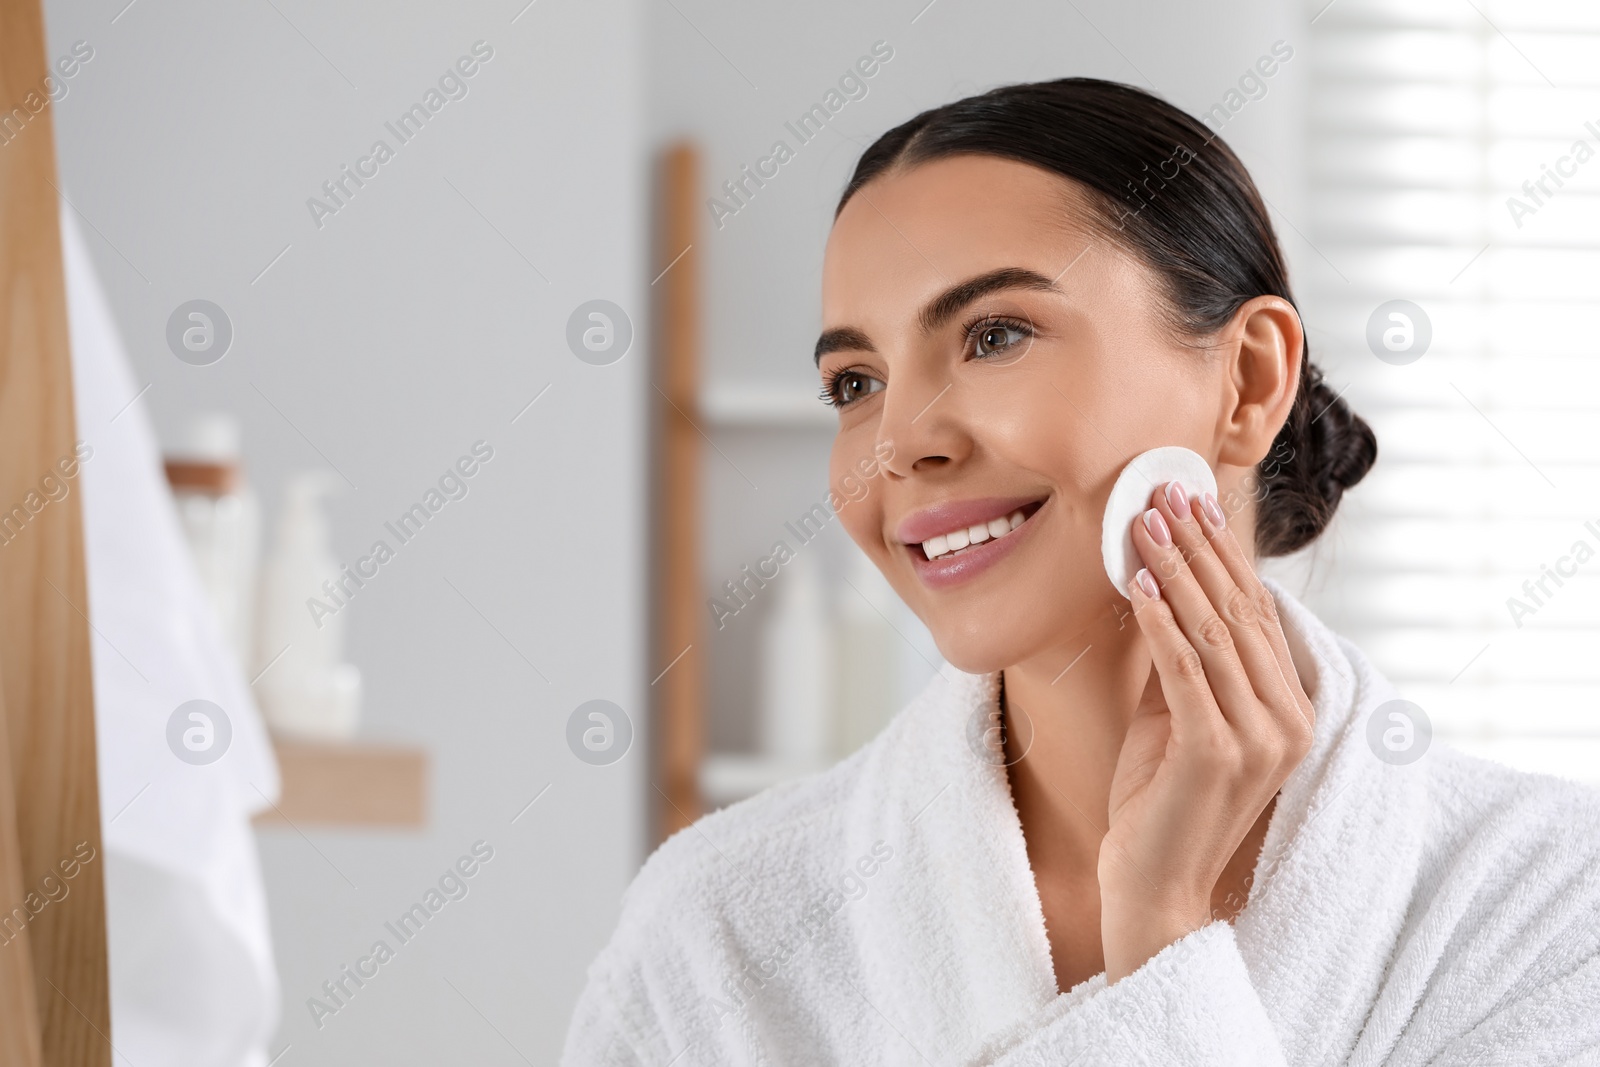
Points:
[(679, 691), (54, 997)]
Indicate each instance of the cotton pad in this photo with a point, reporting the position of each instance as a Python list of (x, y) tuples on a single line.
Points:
[(1130, 497)]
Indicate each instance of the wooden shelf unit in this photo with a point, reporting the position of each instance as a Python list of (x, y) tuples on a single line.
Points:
[(765, 406), (683, 776)]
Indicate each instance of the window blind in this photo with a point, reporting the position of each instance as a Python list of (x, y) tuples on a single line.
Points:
[(1454, 162)]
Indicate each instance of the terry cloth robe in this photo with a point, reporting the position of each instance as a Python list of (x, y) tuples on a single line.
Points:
[(1445, 911)]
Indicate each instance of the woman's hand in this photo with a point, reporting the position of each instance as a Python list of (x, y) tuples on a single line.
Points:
[(1208, 748)]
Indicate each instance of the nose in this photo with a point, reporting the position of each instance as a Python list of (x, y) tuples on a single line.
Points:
[(921, 421)]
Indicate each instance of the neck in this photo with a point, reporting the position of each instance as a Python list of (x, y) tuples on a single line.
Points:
[(1068, 709)]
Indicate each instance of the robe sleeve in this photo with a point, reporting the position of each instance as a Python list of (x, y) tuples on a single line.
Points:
[(1551, 1021), (597, 1035), (1191, 1003)]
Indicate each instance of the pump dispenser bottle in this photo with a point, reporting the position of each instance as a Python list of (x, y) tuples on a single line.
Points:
[(306, 688)]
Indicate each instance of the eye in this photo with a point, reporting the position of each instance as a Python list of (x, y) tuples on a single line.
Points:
[(843, 388), (992, 336)]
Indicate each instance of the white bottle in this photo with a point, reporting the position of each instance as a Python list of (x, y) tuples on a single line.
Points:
[(221, 521), (797, 668), (306, 688), (867, 690)]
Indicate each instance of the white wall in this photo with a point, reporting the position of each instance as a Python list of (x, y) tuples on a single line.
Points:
[(763, 264), (384, 344)]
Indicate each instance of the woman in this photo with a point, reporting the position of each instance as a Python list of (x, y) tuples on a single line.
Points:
[(1200, 834)]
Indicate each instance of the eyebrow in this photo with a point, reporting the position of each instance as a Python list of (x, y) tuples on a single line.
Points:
[(941, 308)]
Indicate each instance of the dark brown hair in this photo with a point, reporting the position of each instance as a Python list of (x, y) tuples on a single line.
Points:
[(1175, 195)]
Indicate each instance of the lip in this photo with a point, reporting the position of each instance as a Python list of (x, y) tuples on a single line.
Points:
[(948, 571), (930, 522)]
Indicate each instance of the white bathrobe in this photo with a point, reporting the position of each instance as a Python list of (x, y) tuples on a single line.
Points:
[(1441, 912)]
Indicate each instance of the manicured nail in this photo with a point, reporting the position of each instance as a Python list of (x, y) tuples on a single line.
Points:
[(1147, 583), (1158, 528), (1213, 514), (1178, 500)]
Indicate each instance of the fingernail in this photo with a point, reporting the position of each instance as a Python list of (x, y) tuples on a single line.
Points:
[(1178, 500), (1213, 514), (1158, 528), (1147, 583)]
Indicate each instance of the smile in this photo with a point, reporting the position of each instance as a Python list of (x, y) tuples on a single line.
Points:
[(960, 540), (952, 543)]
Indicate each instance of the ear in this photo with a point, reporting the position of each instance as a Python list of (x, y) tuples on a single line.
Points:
[(1262, 345)]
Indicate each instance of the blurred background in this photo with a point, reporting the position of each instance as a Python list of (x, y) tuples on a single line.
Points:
[(549, 346)]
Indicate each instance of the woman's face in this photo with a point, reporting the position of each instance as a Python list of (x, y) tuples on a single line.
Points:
[(1015, 360)]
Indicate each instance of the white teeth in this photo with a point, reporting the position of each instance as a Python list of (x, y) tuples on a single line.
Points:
[(956, 540)]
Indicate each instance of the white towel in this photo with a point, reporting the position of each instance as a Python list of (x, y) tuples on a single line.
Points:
[(1441, 912), (193, 982)]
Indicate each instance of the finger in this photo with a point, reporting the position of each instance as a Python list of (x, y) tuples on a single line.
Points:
[(1183, 678), (1231, 555), (1195, 616), (1235, 606)]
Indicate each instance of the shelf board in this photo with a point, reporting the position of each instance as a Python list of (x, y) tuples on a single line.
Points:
[(748, 405), (349, 784), (727, 777)]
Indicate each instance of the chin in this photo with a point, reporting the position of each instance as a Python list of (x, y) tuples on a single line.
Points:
[(988, 641), (977, 648), (974, 660)]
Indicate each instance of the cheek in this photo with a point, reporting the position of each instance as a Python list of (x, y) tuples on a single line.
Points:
[(865, 532), (1027, 423), (859, 498), (1077, 412)]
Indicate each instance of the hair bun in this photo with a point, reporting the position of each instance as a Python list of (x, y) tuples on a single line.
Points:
[(1323, 449), (1341, 440)]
